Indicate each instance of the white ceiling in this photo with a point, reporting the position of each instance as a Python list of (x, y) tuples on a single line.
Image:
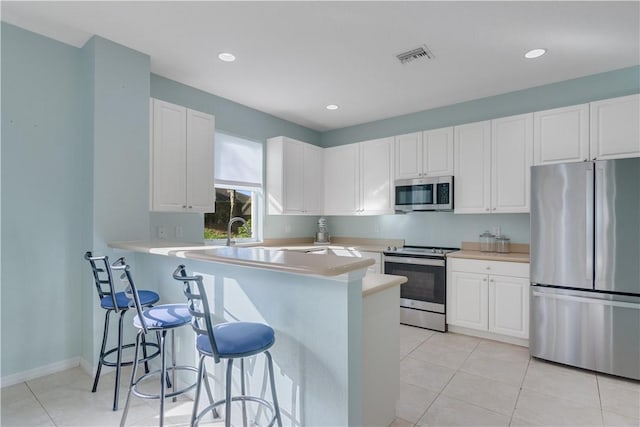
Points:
[(296, 57)]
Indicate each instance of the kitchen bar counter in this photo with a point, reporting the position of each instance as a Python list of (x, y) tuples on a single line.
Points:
[(329, 319), (289, 261)]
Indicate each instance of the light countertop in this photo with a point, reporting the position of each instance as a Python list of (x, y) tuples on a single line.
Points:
[(373, 283), (257, 257), (471, 250)]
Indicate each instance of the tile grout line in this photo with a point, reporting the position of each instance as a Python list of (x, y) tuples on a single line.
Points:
[(445, 386), (600, 398), (40, 403), (513, 412)]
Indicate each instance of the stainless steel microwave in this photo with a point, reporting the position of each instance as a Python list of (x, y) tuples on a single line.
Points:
[(424, 194)]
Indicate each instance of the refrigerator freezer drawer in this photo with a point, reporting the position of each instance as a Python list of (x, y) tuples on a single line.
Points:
[(592, 331)]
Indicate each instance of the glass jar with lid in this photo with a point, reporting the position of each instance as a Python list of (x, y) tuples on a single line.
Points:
[(503, 244), (487, 242)]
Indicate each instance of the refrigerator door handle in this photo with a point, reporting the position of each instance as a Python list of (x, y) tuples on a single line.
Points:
[(589, 224), (587, 300)]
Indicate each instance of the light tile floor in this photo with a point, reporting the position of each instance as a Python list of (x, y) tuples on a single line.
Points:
[(445, 380), (457, 380)]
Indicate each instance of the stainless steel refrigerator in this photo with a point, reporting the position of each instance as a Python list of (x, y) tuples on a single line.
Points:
[(585, 265)]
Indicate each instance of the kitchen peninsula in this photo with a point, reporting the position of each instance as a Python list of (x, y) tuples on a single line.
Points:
[(329, 321)]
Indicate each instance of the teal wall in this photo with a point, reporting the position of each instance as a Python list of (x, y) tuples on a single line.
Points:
[(611, 84), (46, 200)]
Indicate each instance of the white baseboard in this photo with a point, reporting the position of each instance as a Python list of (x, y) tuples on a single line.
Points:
[(488, 335), (42, 371)]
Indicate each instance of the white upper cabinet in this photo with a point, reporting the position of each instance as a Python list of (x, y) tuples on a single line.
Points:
[(181, 157), (511, 159), (294, 177), (409, 155), (615, 127), (561, 135), (422, 154), (376, 177), (472, 168), (437, 152), (342, 180), (491, 165), (359, 178)]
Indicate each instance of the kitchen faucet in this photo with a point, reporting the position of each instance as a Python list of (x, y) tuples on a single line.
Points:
[(231, 221)]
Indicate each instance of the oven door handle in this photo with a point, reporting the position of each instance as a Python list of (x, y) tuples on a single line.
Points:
[(420, 261)]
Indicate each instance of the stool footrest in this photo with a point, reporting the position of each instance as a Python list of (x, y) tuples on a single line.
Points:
[(157, 372), (105, 362), (241, 398)]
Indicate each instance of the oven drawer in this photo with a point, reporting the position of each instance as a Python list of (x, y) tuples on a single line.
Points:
[(502, 268)]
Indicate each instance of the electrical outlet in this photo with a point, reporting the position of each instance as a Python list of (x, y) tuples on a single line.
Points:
[(377, 228), (162, 233), (496, 230), (287, 229), (179, 232)]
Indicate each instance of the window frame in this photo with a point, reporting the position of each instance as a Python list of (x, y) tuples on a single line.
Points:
[(257, 202)]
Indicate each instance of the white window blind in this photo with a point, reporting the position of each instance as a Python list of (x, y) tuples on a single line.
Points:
[(237, 161)]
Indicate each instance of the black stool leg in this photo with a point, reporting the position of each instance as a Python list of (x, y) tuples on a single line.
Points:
[(116, 392), (105, 332), (144, 354)]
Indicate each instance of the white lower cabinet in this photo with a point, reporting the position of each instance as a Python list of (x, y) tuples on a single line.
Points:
[(490, 296)]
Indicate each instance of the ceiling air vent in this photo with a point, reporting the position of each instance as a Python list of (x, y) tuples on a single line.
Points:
[(420, 52)]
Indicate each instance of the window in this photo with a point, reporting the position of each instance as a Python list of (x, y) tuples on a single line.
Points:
[(238, 187)]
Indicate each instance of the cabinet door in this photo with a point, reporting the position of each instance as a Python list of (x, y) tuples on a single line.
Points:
[(409, 156), (472, 168), (342, 180), (168, 157), (467, 300), (376, 166), (561, 135), (293, 173), (200, 162), (313, 194), (509, 306), (615, 128), (511, 152), (437, 152)]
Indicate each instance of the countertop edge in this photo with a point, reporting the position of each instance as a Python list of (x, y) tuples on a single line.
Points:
[(490, 256), (374, 283)]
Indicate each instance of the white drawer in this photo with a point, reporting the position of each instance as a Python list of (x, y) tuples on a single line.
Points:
[(515, 269)]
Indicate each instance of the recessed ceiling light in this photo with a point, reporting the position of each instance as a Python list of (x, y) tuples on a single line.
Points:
[(227, 57), (332, 107), (535, 53)]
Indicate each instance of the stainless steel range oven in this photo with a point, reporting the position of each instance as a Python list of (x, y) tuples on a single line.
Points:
[(423, 296)]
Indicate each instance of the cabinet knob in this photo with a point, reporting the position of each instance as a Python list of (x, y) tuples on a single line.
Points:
[(484, 280), (487, 209), (488, 267), (190, 207), (184, 206), (491, 280)]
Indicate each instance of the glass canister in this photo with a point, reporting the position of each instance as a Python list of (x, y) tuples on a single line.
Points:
[(503, 244), (487, 242)]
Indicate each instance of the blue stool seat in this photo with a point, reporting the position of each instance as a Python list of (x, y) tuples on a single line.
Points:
[(164, 316), (237, 339), (227, 341), (146, 298)]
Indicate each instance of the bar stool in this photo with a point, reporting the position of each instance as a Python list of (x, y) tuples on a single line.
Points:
[(230, 341), (161, 319), (117, 302)]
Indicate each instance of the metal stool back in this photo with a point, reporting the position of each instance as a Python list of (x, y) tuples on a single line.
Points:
[(160, 319), (222, 342), (113, 301)]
